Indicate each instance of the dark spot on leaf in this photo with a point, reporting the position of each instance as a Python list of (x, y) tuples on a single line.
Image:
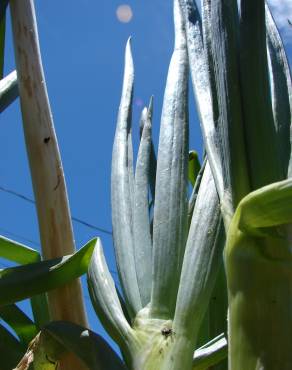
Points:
[(47, 139)]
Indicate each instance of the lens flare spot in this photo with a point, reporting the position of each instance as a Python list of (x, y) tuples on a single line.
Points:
[(124, 13), (139, 102)]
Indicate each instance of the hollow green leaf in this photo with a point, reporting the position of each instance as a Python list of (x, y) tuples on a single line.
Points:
[(22, 282), (91, 348), (266, 207), (221, 42), (260, 134), (22, 254), (22, 325), (204, 89), (122, 192), (153, 160), (8, 90), (170, 211), (281, 87), (202, 259), (11, 350), (211, 353), (141, 221), (16, 252), (194, 167), (105, 299), (3, 6)]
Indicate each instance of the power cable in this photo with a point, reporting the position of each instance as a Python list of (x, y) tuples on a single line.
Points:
[(78, 220)]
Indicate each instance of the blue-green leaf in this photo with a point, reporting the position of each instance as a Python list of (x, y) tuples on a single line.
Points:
[(122, 192), (281, 86), (260, 134), (8, 90), (202, 259), (141, 221), (221, 43), (105, 299), (170, 211), (3, 6)]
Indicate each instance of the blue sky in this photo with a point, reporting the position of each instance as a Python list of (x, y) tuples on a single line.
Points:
[(82, 45)]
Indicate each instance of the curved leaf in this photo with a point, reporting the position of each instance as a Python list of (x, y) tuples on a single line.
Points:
[(11, 350), (91, 348), (25, 329), (211, 353), (264, 208), (21, 282), (19, 253), (8, 90), (105, 299)]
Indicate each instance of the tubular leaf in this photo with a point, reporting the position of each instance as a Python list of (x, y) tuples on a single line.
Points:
[(264, 156), (211, 353), (280, 79), (202, 259), (22, 282), (122, 192), (141, 222), (8, 90), (202, 87), (153, 161), (266, 207), (170, 211), (3, 6), (105, 299), (221, 42)]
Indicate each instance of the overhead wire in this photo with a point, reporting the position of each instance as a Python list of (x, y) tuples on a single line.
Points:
[(76, 219)]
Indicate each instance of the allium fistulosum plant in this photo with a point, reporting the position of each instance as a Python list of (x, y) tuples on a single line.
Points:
[(168, 247)]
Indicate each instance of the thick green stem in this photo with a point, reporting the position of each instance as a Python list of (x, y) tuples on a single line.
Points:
[(260, 287), (259, 276)]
